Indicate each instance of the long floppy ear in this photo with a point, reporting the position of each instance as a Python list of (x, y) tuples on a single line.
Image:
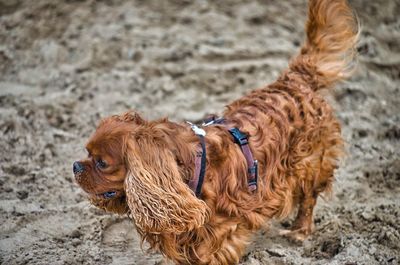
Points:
[(158, 198)]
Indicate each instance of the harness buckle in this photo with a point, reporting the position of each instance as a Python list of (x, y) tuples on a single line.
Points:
[(240, 138), (213, 120), (196, 129), (254, 168), (253, 171)]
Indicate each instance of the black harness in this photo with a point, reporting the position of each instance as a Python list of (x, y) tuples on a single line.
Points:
[(239, 138)]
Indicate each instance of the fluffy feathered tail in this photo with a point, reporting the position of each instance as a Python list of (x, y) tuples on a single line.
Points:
[(329, 53)]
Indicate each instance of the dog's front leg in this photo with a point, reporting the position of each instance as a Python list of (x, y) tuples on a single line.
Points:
[(225, 242)]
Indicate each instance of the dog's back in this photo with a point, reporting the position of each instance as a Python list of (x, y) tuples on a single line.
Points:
[(294, 133)]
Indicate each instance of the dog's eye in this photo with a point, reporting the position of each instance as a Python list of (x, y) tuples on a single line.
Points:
[(101, 164)]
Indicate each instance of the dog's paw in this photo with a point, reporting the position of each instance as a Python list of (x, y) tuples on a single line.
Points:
[(298, 235)]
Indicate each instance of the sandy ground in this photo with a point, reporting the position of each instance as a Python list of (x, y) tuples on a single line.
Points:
[(66, 64)]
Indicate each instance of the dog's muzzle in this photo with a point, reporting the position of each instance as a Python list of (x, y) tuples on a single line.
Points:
[(77, 167)]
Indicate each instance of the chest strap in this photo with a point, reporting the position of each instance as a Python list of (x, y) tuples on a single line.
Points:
[(196, 182)]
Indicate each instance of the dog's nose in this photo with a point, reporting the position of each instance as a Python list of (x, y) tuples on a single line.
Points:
[(77, 167)]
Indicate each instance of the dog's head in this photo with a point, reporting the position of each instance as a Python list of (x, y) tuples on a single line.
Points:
[(103, 172), (134, 165)]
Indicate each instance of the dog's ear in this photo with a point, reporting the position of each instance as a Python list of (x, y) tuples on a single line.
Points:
[(158, 198)]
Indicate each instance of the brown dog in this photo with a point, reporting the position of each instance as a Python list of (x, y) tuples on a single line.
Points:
[(143, 168)]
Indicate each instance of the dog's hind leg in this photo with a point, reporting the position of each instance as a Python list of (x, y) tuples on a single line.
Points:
[(315, 176), (303, 224)]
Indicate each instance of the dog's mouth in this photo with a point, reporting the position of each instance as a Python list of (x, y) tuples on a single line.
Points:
[(104, 195), (92, 192), (111, 201), (108, 194)]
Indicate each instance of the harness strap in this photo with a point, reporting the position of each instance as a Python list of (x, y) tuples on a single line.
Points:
[(240, 138), (196, 182), (252, 165)]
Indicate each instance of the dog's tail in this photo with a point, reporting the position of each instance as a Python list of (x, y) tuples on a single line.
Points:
[(329, 53)]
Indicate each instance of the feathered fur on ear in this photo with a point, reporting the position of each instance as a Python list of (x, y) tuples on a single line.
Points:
[(158, 198)]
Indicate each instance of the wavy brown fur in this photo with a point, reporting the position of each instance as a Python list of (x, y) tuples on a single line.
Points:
[(293, 134), (159, 199)]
